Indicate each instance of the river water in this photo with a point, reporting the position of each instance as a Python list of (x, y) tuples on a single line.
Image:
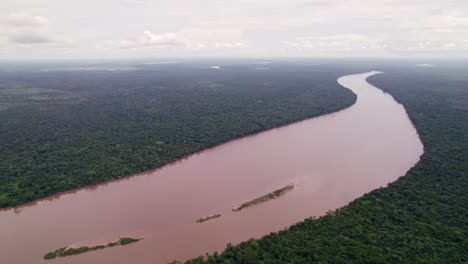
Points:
[(332, 160)]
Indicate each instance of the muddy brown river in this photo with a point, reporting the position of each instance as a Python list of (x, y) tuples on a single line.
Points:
[(332, 160)]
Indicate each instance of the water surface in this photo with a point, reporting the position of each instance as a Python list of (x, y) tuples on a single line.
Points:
[(332, 160)]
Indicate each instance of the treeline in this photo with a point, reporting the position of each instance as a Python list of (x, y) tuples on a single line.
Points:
[(61, 130), (420, 218)]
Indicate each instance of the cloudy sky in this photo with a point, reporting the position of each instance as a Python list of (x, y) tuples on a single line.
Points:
[(232, 28)]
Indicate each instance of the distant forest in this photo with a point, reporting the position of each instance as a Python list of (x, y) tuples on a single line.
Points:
[(64, 127), (420, 218)]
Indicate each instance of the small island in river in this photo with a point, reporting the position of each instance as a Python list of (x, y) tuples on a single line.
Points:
[(207, 218), (264, 198), (69, 251)]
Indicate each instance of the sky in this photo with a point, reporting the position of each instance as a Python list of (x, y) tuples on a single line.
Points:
[(58, 29)]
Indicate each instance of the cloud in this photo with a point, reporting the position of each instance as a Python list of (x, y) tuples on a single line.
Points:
[(229, 45), (426, 46), (25, 20), (169, 39), (213, 39), (147, 39), (449, 45), (25, 29), (336, 43), (366, 45), (194, 39), (30, 37)]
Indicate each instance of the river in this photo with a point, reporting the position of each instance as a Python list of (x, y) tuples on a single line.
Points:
[(332, 160)]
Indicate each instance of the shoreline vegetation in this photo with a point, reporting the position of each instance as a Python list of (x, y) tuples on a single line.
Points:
[(270, 196), (70, 251), (207, 218)]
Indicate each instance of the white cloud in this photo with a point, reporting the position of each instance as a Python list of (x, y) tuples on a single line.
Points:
[(364, 45), (336, 43), (193, 39), (25, 20), (25, 29), (146, 40), (169, 39), (426, 46), (30, 37), (449, 45), (213, 38), (229, 45)]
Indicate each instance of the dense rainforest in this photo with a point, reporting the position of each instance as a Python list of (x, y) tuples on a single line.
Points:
[(420, 218), (64, 126)]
